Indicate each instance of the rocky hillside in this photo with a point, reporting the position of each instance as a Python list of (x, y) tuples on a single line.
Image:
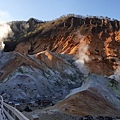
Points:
[(98, 38), (72, 59)]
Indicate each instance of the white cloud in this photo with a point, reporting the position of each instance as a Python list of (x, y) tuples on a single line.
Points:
[(4, 16)]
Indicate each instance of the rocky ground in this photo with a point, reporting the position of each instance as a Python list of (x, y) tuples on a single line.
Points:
[(71, 64), (55, 115)]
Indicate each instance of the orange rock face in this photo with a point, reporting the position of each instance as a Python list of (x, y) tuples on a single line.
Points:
[(65, 35), (104, 52), (52, 61)]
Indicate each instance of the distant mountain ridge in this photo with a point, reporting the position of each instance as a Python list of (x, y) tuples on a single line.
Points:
[(32, 26), (63, 36)]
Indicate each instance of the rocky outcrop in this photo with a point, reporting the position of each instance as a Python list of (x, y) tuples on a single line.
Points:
[(97, 99), (88, 104), (26, 79), (18, 60), (65, 35), (49, 59), (55, 62), (93, 98)]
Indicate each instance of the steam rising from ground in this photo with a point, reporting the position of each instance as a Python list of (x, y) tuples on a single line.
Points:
[(82, 56), (5, 30), (116, 75)]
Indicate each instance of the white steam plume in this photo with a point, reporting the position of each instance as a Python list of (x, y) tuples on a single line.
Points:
[(82, 56), (5, 30), (116, 75)]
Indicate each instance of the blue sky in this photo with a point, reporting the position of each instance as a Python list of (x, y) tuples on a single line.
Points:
[(51, 9)]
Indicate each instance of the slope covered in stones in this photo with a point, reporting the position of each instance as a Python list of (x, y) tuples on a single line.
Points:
[(45, 62)]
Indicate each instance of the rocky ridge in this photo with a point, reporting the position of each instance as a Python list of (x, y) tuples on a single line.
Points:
[(100, 35), (45, 62)]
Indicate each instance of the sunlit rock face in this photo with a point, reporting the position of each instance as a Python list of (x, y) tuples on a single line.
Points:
[(100, 38), (73, 59)]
